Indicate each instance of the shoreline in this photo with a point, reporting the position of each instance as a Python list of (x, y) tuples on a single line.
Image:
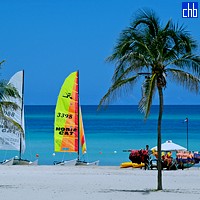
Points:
[(95, 182)]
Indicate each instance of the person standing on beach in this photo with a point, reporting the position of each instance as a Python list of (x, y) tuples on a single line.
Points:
[(148, 157)]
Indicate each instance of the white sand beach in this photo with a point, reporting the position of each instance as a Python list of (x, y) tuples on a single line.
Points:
[(102, 182)]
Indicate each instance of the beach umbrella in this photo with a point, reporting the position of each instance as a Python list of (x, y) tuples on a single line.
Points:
[(170, 146)]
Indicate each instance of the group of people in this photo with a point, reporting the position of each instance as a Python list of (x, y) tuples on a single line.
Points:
[(166, 158), (185, 156), (147, 157), (140, 156)]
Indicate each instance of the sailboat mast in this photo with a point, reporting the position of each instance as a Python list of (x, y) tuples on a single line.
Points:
[(20, 147), (78, 119)]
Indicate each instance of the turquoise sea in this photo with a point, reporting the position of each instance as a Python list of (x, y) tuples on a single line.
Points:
[(109, 132)]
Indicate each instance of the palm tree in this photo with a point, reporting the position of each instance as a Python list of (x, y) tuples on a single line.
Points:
[(7, 90), (155, 53)]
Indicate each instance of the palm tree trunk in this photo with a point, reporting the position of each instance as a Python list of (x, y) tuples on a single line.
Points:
[(159, 137)]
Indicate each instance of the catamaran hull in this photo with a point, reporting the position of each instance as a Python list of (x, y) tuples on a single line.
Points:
[(83, 163), (66, 162), (24, 162), (8, 162)]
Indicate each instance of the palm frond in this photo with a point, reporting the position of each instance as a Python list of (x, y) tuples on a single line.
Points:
[(148, 91), (8, 90), (2, 62), (147, 17), (9, 104), (117, 89), (188, 61), (137, 64), (187, 80)]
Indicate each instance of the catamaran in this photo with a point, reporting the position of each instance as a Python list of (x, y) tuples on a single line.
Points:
[(12, 127), (68, 126)]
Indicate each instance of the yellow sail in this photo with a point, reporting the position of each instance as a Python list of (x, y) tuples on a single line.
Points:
[(68, 125)]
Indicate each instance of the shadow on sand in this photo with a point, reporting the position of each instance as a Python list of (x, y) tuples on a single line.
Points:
[(148, 191)]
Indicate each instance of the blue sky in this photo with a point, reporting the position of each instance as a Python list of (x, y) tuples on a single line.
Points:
[(49, 39)]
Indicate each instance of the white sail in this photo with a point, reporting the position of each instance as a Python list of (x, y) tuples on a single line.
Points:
[(10, 135)]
